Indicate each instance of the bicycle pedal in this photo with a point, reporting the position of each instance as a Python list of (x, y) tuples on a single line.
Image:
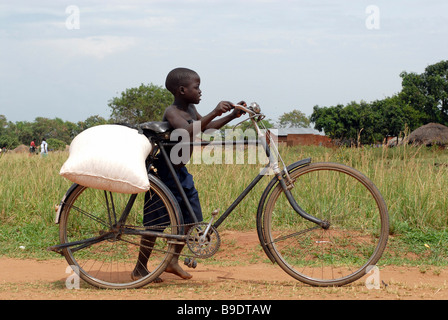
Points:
[(190, 263)]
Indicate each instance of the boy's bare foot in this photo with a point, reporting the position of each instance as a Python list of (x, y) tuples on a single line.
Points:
[(175, 268)]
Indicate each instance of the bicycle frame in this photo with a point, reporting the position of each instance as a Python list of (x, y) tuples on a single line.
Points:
[(280, 174)]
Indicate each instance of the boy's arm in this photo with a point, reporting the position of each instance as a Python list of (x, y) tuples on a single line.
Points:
[(217, 124), (178, 122)]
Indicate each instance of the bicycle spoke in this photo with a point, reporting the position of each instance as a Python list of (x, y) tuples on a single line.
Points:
[(91, 216), (295, 234), (110, 210)]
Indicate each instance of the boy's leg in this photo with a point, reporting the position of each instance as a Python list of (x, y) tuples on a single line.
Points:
[(141, 269), (174, 266), (146, 245), (150, 217), (193, 196)]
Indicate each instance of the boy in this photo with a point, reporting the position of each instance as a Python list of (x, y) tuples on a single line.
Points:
[(184, 84)]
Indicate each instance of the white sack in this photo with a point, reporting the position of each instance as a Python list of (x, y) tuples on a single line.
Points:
[(109, 157)]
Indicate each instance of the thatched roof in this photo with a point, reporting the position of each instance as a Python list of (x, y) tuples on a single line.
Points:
[(21, 149), (430, 134)]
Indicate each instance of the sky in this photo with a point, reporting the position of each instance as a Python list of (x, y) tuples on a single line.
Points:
[(67, 59)]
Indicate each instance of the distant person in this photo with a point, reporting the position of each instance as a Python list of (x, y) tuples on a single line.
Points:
[(44, 148), (32, 147)]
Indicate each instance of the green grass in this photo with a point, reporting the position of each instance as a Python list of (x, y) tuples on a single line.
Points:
[(412, 180), (30, 187)]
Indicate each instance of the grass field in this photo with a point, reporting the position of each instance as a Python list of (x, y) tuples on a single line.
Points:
[(412, 180)]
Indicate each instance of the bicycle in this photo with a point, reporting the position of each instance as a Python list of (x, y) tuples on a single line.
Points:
[(324, 224)]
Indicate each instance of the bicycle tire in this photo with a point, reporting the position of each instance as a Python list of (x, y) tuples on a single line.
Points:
[(109, 263), (355, 240)]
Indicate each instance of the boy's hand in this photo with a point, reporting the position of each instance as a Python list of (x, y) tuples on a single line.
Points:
[(222, 107), (237, 112)]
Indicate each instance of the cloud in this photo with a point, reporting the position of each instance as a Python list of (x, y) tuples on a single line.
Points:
[(94, 46), (297, 52)]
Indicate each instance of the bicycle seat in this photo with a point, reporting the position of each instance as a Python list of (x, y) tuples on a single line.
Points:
[(156, 126)]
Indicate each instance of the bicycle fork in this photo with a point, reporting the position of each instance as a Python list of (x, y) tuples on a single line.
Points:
[(287, 190), (288, 184)]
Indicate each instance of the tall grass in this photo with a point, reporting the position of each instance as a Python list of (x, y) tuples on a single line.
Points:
[(412, 180), (30, 186)]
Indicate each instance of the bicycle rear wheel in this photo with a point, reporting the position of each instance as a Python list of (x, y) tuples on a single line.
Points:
[(109, 263), (355, 240)]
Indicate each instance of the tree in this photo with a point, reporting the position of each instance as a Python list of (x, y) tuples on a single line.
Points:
[(142, 104), (329, 120), (8, 138), (391, 117), (91, 121), (351, 124), (55, 144), (23, 130), (52, 128), (427, 93), (414, 95), (294, 119), (3, 123), (436, 81)]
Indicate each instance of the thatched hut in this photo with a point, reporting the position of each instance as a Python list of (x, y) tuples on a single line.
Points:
[(21, 149), (430, 134)]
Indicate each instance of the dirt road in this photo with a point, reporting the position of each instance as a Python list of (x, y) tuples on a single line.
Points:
[(242, 273)]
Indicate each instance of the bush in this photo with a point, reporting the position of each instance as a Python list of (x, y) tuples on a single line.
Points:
[(8, 141), (55, 144)]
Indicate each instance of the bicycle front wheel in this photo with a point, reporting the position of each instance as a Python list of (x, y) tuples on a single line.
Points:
[(111, 260), (355, 240)]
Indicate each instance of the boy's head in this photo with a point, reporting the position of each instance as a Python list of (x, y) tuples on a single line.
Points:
[(179, 77)]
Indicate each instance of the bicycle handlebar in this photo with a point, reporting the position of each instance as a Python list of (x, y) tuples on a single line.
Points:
[(253, 110)]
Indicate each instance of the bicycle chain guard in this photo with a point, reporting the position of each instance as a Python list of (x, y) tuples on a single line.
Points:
[(200, 244)]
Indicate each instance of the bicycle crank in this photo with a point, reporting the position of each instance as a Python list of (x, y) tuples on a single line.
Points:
[(203, 240)]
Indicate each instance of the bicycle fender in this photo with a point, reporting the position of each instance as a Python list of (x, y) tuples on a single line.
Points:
[(261, 237), (292, 167), (298, 164), (62, 203)]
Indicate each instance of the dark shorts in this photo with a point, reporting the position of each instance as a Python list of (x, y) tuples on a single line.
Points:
[(154, 214)]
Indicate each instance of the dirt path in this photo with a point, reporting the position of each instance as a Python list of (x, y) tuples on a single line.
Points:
[(242, 273)]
